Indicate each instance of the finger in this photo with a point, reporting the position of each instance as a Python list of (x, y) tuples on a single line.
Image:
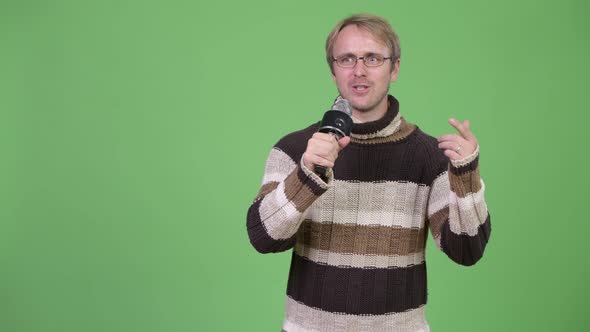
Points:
[(461, 128), (330, 154), (324, 137), (453, 155), (450, 137), (319, 146), (343, 142), (310, 160), (450, 146), (321, 161), (469, 133), (457, 125)]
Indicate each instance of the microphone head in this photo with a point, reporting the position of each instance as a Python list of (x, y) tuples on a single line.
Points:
[(342, 105), (338, 120)]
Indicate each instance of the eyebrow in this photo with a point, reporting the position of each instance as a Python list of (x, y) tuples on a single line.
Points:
[(345, 55), (352, 54)]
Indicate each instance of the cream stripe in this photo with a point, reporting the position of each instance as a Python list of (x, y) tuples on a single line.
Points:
[(278, 166), (472, 199), (274, 177), (387, 131), (387, 203), (356, 260), (439, 195), (279, 216), (467, 213), (301, 318), (466, 160)]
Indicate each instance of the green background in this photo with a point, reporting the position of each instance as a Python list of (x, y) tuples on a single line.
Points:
[(133, 136)]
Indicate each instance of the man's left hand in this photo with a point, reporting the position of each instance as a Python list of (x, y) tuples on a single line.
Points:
[(455, 146)]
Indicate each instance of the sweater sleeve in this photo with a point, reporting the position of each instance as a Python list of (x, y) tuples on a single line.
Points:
[(288, 190), (457, 212)]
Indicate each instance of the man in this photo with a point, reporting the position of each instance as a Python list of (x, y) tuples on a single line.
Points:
[(358, 262)]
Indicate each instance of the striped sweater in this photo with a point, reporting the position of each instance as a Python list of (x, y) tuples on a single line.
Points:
[(358, 262)]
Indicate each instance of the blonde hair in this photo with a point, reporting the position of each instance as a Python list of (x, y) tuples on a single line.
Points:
[(373, 24)]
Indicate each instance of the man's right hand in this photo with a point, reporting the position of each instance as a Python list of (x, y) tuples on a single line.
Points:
[(322, 150)]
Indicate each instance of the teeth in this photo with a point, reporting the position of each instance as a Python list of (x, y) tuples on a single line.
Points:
[(360, 87)]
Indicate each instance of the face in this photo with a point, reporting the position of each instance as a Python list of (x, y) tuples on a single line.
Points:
[(366, 88)]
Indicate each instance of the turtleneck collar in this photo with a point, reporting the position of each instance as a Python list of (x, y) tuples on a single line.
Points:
[(365, 128), (390, 127)]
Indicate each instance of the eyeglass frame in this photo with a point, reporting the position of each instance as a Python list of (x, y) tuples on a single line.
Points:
[(364, 57)]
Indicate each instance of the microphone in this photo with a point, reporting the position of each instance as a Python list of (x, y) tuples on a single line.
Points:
[(336, 122)]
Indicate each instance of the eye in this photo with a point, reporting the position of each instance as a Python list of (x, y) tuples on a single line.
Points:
[(346, 60), (373, 59)]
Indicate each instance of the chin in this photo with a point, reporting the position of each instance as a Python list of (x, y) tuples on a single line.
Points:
[(355, 103), (363, 108), (362, 104), (365, 105)]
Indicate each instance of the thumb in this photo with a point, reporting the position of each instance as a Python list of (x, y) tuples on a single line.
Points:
[(343, 142)]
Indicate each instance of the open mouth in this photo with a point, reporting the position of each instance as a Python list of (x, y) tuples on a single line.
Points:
[(360, 88)]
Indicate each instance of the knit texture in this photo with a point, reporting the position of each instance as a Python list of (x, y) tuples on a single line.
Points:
[(358, 262)]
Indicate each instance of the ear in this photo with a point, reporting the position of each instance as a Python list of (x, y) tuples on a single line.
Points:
[(395, 71)]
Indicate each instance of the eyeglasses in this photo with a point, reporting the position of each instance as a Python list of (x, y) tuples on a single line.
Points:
[(370, 60)]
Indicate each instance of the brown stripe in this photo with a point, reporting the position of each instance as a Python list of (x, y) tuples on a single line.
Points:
[(266, 188), (470, 166), (404, 130), (437, 221), (356, 291), (466, 183), (465, 249), (363, 240), (297, 192)]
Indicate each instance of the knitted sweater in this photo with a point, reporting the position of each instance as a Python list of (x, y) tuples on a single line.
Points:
[(358, 262)]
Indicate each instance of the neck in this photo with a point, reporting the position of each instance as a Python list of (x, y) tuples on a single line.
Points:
[(391, 127), (371, 115)]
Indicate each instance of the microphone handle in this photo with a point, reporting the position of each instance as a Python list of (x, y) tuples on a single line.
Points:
[(321, 171)]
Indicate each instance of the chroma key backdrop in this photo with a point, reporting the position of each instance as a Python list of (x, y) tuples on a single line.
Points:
[(133, 137)]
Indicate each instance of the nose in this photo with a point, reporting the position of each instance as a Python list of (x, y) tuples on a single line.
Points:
[(360, 69)]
